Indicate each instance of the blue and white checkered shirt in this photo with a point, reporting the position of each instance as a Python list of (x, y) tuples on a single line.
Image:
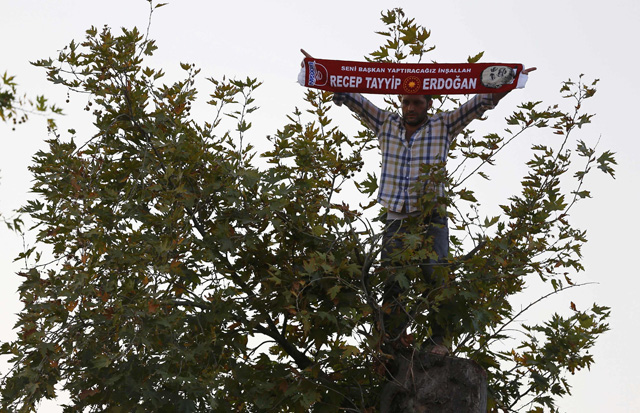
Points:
[(401, 160)]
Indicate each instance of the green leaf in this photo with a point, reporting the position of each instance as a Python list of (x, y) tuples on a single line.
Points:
[(333, 291), (476, 58)]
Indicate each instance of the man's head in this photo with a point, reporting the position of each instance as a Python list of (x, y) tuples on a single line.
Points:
[(415, 108)]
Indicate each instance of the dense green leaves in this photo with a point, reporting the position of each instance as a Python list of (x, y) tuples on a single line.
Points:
[(171, 273)]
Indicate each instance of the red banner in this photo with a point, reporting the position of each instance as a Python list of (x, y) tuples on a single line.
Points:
[(410, 78)]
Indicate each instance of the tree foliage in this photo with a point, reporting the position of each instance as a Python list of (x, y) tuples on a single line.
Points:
[(15, 107), (172, 273)]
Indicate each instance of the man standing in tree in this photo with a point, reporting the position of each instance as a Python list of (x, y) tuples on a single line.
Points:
[(407, 142)]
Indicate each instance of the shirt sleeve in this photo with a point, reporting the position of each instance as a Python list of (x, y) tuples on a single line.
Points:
[(458, 119), (369, 114)]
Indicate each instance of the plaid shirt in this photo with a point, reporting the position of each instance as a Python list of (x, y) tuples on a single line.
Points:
[(401, 160)]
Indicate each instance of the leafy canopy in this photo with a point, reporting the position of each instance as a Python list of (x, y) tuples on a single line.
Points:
[(172, 273)]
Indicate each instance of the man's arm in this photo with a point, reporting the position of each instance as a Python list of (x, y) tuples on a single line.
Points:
[(458, 119), (372, 116)]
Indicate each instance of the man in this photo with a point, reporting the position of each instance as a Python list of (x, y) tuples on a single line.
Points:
[(407, 142)]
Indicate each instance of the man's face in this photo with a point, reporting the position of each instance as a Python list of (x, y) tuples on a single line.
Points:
[(414, 109)]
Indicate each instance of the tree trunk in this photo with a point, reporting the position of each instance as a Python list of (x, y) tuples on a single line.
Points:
[(435, 384)]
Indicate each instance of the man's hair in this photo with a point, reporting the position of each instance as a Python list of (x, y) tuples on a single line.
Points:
[(427, 98)]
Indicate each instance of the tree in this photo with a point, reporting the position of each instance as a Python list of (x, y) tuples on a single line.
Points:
[(171, 273), (15, 108)]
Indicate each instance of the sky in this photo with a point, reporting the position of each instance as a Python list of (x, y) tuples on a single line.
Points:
[(262, 39)]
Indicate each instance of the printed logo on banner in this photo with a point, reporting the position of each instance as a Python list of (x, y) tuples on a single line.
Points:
[(411, 84), (318, 74)]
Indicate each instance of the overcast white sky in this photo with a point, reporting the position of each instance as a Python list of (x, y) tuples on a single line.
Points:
[(262, 39)]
